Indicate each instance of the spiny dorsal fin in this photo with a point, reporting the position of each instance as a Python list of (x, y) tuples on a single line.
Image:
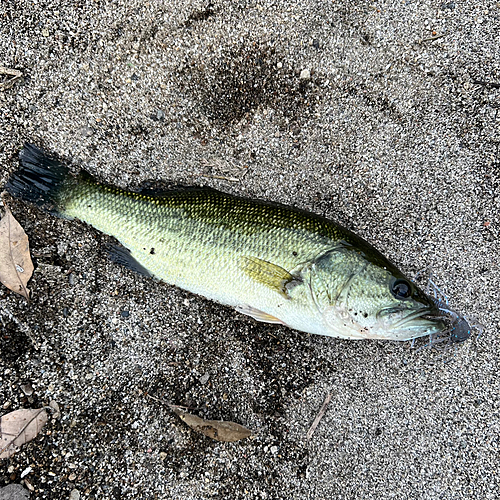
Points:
[(266, 273)]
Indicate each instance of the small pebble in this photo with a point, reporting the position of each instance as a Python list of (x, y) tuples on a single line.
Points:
[(160, 115), (274, 449), (14, 492), (27, 389), (74, 495), (25, 472), (55, 407), (72, 476), (305, 74), (204, 378), (85, 132), (125, 314), (29, 485)]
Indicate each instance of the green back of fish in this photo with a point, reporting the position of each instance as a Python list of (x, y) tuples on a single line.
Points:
[(205, 218)]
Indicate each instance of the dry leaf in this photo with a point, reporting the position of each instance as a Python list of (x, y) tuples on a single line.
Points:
[(19, 427), (16, 267), (220, 430)]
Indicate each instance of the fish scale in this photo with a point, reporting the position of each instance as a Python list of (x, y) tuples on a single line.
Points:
[(199, 246)]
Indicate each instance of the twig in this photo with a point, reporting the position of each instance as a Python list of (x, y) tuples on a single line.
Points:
[(171, 406), (222, 177), (15, 73), (8, 71), (321, 412), (431, 39), (486, 84), (24, 328)]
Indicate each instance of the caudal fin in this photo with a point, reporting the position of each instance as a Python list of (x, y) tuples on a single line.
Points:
[(39, 180)]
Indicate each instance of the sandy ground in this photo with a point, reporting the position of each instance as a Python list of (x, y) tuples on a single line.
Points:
[(376, 114)]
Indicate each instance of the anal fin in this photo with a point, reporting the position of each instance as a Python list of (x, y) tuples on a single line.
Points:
[(258, 315), (121, 255)]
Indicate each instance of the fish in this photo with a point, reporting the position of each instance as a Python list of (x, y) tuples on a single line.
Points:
[(276, 263)]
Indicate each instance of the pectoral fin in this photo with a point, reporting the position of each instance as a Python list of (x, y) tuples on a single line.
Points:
[(268, 274), (258, 315)]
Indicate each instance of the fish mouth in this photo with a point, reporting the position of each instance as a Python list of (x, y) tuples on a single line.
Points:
[(411, 322), (439, 321)]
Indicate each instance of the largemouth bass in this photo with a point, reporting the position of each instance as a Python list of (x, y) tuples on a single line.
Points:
[(275, 263)]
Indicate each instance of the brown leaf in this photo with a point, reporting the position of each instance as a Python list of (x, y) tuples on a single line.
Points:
[(220, 430), (19, 427), (16, 267)]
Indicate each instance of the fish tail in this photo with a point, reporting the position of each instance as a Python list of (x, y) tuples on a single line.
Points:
[(40, 180)]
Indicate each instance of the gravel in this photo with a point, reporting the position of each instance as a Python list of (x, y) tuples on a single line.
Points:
[(382, 116)]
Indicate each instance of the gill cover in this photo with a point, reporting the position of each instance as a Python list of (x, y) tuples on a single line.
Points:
[(360, 296)]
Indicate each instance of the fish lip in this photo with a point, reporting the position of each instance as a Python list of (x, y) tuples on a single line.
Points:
[(411, 317), (426, 316), (389, 310)]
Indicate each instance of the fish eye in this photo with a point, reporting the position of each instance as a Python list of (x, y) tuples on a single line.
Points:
[(401, 289)]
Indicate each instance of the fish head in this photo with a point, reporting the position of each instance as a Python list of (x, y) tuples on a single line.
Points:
[(363, 295)]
